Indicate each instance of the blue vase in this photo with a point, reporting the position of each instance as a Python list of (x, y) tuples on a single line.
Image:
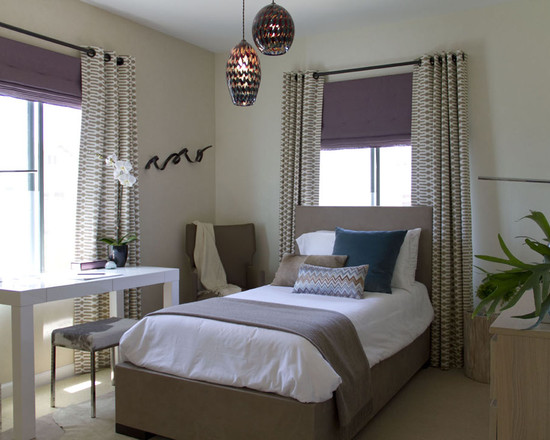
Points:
[(118, 254)]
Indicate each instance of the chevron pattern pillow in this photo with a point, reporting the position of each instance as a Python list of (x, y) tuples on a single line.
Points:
[(346, 282)]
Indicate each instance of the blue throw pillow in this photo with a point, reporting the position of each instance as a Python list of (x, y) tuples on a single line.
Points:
[(378, 249)]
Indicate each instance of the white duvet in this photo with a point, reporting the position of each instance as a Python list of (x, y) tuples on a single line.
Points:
[(270, 360)]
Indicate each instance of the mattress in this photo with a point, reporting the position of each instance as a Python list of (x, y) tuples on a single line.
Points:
[(272, 361)]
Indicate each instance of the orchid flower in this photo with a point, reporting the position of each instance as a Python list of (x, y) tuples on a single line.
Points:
[(123, 166), (126, 179), (111, 160)]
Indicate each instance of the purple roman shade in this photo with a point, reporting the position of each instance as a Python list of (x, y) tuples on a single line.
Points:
[(36, 74), (370, 112)]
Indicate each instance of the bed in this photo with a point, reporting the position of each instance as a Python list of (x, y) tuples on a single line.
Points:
[(152, 402)]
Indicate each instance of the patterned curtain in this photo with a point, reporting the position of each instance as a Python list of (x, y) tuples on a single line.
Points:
[(109, 126), (302, 113), (441, 178)]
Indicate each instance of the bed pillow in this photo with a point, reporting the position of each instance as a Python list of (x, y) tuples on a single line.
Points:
[(378, 249), (404, 273), (345, 282), (316, 243), (290, 264)]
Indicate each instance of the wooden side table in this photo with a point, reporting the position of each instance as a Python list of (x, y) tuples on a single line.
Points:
[(520, 381)]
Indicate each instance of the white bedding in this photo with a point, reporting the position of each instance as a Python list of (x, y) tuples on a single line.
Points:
[(269, 360)]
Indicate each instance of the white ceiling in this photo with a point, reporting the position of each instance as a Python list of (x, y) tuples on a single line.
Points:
[(216, 25)]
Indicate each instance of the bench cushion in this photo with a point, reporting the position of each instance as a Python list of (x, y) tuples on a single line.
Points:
[(92, 336)]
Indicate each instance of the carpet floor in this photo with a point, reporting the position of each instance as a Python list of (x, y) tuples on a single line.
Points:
[(434, 405)]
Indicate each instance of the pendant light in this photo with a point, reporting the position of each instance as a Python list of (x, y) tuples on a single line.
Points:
[(243, 73), (273, 30)]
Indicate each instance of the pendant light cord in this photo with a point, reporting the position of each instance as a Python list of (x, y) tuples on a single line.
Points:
[(243, 19)]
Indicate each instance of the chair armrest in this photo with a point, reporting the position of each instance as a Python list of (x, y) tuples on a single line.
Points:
[(254, 277)]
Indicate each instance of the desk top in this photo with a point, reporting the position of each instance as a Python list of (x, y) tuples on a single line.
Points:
[(48, 287)]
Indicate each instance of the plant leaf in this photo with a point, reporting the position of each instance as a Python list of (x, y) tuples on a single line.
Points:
[(499, 260), (538, 247), (108, 240), (513, 260), (542, 222)]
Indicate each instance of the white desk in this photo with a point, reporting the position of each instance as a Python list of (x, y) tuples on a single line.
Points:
[(22, 294)]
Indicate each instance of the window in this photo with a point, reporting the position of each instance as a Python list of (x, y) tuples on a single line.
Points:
[(39, 146), (365, 176), (365, 142)]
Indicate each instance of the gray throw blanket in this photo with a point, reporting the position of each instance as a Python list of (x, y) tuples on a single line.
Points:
[(330, 332)]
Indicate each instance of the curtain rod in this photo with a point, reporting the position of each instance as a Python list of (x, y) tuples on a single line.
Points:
[(513, 179), (417, 62), (88, 50)]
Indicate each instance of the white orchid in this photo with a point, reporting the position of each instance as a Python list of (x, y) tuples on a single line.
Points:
[(123, 166), (122, 173), (111, 160), (122, 170), (126, 179)]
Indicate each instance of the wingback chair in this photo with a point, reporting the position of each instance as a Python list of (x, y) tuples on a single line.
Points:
[(236, 245)]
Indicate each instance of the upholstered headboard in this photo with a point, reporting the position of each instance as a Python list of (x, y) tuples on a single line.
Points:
[(375, 218)]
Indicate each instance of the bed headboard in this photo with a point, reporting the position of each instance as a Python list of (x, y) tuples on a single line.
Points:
[(374, 218)]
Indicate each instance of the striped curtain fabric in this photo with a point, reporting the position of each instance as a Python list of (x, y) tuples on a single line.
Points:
[(109, 126), (441, 178), (302, 113)]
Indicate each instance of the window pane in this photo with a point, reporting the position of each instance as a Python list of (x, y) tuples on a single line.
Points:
[(19, 233), (395, 176), (13, 134), (19, 196), (61, 146), (46, 141), (345, 177)]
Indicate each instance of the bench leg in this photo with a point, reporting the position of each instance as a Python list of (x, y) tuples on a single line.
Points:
[(52, 378), (92, 378), (113, 360)]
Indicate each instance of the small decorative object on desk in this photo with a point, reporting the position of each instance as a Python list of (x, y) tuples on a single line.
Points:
[(118, 246), (504, 288)]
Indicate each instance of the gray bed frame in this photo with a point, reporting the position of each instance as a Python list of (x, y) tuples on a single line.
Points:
[(150, 403)]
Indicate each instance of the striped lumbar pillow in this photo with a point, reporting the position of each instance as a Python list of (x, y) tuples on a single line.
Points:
[(347, 282)]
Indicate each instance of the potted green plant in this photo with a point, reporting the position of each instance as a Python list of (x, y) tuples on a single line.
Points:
[(118, 246), (504, 288)]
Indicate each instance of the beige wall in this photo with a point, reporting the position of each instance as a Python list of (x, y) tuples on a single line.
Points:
[(509, 107), (175, 109)]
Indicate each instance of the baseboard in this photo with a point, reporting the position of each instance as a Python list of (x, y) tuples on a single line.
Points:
[(41, 379)]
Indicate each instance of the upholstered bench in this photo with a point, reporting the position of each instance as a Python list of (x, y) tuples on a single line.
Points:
[(92, 337)]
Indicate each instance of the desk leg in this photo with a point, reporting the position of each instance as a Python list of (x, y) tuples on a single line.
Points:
[(116, 303), (171, 293), (24, 416)]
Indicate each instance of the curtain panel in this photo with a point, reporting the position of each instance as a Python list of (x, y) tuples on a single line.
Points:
[(109, 126), (36, 74), (302, 111), (441, 178)]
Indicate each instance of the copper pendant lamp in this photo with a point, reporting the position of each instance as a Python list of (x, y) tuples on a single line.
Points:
[(273, 30), (243, 73)]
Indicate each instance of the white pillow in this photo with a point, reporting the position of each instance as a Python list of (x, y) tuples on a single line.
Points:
[(322, 243), (316, 243), (405, 265)]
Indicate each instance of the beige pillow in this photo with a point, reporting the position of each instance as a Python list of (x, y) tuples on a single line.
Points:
[(290, 265)]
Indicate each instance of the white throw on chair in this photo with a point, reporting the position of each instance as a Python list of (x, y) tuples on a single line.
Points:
[(92, 337)]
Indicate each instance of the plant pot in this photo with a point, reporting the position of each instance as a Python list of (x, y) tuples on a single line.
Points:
[(477, 347), (118, 254)]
